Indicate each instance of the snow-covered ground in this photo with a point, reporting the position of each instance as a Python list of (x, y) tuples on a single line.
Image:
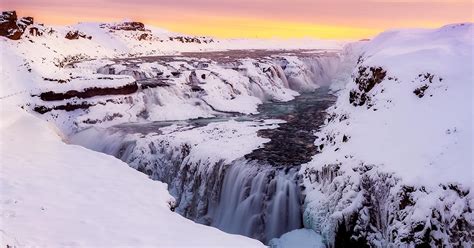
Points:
[(59, 195), (306, 238), (234, 139), (396, 163)]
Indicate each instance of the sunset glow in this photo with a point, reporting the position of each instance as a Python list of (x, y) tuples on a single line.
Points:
[(338, 19)]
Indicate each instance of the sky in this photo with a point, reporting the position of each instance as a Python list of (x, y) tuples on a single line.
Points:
[(331, 19)]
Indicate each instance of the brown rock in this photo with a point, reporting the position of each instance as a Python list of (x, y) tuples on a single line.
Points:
[(144, 36), (74, 35), (129, 26), (34, 31), (11, 27), (89, 92), (25, 22)]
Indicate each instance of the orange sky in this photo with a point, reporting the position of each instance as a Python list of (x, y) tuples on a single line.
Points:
[(256, 18)]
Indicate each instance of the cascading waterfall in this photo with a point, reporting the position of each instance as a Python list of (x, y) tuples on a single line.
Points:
[(244, 197), (308, 73), (258, 201)]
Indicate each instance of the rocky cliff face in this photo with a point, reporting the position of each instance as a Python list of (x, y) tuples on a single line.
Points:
[(369, 208), (12, 27), (75, 34)]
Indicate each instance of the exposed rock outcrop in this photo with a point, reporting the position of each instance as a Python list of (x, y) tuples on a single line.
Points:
[(11, 27), (366, 80), (75, 35), (188, 39), (127, 26), (67, 107), (145, 36), (89, 92), (35, 31)]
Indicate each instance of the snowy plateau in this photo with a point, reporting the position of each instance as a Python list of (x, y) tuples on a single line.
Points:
[(126, 135)]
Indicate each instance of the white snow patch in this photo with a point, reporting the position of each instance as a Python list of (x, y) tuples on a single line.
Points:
[(300, 238)]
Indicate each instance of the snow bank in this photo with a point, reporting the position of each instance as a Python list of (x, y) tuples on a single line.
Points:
[(435, 129), (300, 238), (396, 152), (53, 194)]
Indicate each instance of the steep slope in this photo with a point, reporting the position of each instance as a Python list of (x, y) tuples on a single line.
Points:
[(54, 194), (395, 162)]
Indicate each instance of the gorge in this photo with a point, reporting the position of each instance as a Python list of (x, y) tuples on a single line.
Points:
[(258, 194), (124, 129)]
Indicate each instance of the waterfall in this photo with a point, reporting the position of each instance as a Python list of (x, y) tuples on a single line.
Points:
[(258, 201), (322, 69), (242, 197), (308, 73)]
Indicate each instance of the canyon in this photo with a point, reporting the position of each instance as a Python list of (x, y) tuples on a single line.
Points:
[(364, 144)]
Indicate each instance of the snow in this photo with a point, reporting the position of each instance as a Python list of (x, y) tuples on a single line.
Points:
[(300, 238), (399, 144), (40, 61), (56, 195), (435, 130), (234, 139), (190, 88), (205, 169), (35, 57), (89, 81)]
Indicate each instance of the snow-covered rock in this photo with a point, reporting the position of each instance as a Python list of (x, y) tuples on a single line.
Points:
[(11, 27), (395, 162)]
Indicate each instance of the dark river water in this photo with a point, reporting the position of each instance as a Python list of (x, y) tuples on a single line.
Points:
[(292, 143)]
